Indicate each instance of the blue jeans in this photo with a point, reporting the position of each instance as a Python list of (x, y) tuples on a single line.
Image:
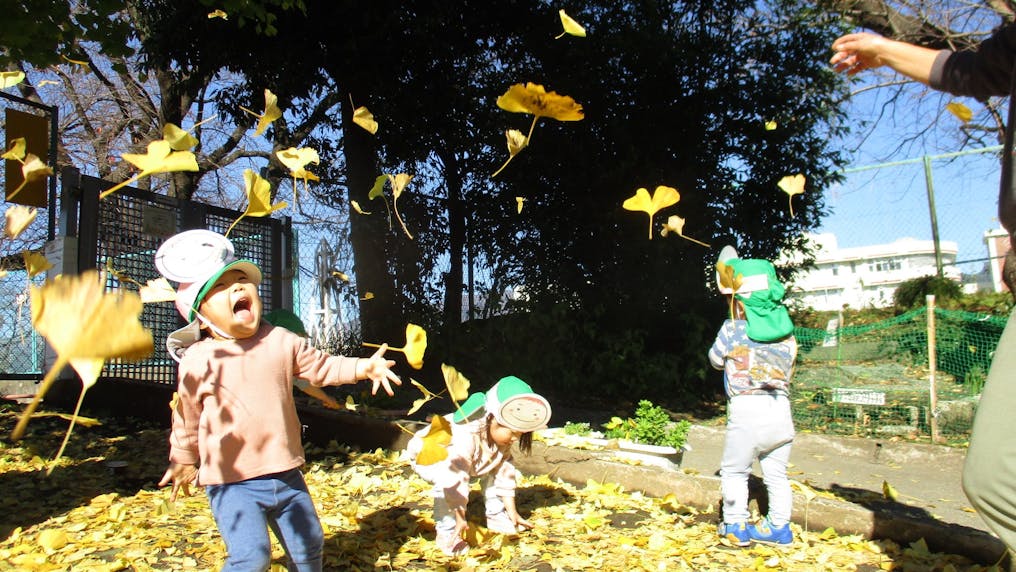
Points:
[(245, 510)]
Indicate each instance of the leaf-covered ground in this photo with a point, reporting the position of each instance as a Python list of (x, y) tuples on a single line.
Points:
[(376, 513)]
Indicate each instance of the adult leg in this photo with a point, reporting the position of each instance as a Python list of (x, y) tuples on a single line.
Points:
[(989, 472), (239, 513)]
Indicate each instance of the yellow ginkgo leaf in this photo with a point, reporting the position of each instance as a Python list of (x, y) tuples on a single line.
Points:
[(18, 218), (52, 539), (11, 78), (771, 125), (178, 139), (399, 183), (295, 159), (367, 296), (73, 61), (962, 112), (340, 275), (516, 141), (218, 14), (88, 369), (80, 320), (570, 26), (160, 158), (416, 344), (536, 100), (350, 404), (457, 384), (889, 492), (33, 169), (259, 197), (158, 290), (364, 118), (435, 442), (35, 263), (675, 224), (272, 112), (662, 197), (379, 187), (356, 207), (418, 403), (519, 201), (48, 82), (792, 185), (17, 151)]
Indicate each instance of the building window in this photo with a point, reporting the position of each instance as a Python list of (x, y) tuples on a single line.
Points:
[(885, 265)]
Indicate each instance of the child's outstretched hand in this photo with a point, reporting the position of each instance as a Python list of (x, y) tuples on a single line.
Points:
[(378, 370), (181, 476)]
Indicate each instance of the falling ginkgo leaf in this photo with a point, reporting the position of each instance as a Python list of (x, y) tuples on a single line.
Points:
[(962, 112), (364, 118), (81, 63), (399, 183), (178, 139), (47, 82), (35, 263), (296, 161), (18, 218), (519, 201), (218, 14), (771, 125), (534, 99), (889, 492), (350, 404), (730, 281), (570, 26), (160, 158), (416, 345), (259, 197), (457, 384), (792, 185), (81, 321), (418, 403), (663, 197), (11, 78), (158, 290), (367, 296), (356, 207), (675, 224), (435, 442), (32, 169), (340, 275), (17, 151), (272, 112)]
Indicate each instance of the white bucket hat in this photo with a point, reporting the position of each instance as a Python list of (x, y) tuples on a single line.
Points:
[(195, 259)]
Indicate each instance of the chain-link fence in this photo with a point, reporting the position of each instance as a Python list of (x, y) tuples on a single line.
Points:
[(875, 379)]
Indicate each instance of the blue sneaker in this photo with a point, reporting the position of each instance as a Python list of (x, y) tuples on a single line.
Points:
[(767, 533), (736, 533)]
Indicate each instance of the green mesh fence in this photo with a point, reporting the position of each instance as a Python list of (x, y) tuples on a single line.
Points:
[(874, 380)]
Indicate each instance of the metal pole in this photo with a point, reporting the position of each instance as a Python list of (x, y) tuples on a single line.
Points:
[(934, 215)]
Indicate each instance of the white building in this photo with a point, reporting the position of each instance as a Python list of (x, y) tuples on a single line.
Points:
[(865, 276)]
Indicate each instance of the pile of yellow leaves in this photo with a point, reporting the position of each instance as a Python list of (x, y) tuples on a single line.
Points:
[(92, 515)]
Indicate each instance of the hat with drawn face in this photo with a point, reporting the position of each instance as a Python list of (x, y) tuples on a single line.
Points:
[(512, 402), (754, 283), (195, 259)]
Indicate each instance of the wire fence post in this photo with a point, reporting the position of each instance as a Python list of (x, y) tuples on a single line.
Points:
[(930, 186), (933, 405)]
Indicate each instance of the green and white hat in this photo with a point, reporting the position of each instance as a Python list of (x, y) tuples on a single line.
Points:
[(512, 402), (761, 293)]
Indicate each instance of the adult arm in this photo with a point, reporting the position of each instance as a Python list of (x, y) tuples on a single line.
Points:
[(861, 51)]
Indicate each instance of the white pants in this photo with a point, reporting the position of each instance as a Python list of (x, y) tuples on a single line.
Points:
[(758, 427), (444, 518)]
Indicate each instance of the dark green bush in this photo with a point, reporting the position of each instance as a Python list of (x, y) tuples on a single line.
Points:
[(913, 293)]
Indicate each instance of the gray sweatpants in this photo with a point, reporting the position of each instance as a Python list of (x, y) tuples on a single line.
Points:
[(758, 426), (989, 472)]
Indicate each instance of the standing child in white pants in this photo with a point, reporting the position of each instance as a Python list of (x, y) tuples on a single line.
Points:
[(756, 350), (483, 431)]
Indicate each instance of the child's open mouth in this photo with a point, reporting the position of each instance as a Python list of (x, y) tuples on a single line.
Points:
[(241, 309)]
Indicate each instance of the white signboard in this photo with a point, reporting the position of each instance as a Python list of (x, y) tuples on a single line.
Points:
[(858, 396)]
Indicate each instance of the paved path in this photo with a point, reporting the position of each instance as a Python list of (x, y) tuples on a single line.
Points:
[(927, 477)]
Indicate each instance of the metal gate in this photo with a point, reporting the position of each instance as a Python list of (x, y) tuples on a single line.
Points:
[(121, 233)]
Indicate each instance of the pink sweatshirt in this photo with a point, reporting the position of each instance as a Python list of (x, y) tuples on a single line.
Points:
[(470, 454), (236, 417)]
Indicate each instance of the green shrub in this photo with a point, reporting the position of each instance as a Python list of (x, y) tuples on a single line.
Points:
[(651, 425), (571, 428), (913, 293)]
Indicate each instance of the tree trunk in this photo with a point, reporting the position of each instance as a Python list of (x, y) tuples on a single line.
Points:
[(380, 317), (456, 240)]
